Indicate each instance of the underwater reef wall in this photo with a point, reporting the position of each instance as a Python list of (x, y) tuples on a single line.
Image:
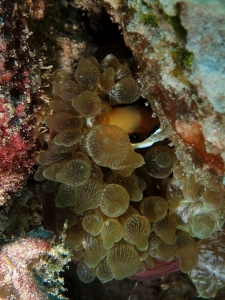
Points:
[(180, 50), (16, 113), (179, 60)]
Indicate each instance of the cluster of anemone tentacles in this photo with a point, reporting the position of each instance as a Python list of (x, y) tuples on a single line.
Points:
[(123, 209)]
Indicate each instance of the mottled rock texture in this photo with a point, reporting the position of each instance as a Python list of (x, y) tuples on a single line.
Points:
[(180, 50)]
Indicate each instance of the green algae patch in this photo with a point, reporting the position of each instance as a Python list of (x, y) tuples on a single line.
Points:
[(149, 19), (183, 58), (175, 22), (145, 13), (184, 61)]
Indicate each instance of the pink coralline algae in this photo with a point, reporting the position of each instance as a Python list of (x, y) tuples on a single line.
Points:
[(16, 260), (16, 162), (16, 117)]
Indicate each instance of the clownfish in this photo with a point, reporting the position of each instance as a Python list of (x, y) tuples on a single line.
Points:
[(138, 122)]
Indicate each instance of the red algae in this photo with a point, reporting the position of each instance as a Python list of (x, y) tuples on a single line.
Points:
[(191, 133), (15, 144)]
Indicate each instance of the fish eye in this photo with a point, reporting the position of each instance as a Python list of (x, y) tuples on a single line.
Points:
[(136, 137)]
